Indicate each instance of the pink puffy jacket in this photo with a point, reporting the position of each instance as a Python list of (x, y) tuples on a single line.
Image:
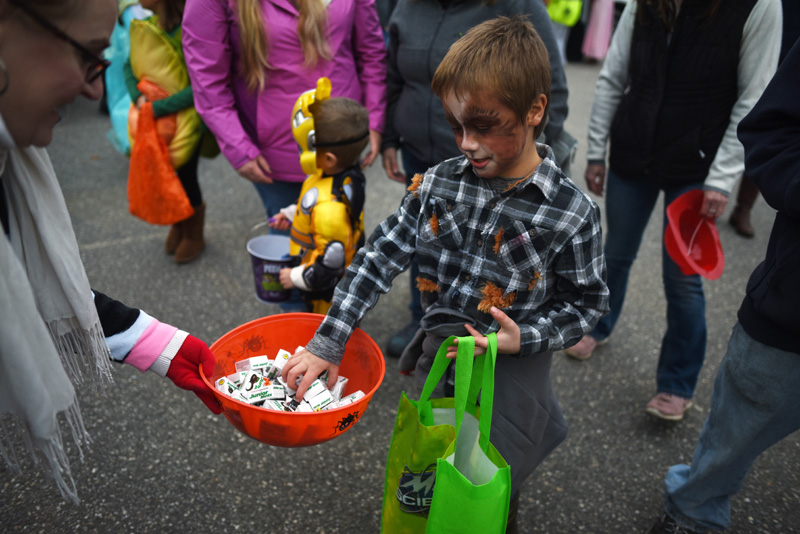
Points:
[(246, 123)]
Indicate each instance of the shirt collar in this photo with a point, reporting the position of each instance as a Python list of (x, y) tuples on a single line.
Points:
[(545, 177)]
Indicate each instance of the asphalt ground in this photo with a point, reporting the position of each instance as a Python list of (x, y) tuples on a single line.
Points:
[(160, 462)]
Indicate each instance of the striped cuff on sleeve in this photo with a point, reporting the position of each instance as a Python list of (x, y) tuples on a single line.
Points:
[(123, 342), (297, 278), (161, 365), (151, 344)]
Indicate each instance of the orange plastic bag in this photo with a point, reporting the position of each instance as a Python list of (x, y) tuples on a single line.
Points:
[(155, 193), (165, 126)]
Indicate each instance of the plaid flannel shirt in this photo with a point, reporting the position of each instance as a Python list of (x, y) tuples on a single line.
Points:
[(537, 247)]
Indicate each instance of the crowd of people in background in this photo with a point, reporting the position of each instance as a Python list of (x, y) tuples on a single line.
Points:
[(677, 107)]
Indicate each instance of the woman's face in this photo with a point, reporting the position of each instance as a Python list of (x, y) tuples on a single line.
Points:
[(46, 72)]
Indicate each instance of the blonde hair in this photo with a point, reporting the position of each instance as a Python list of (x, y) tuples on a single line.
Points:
[(255, 53), (502, 57)]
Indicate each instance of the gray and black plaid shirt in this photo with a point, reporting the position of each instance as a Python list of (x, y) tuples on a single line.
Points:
[(536, 245)]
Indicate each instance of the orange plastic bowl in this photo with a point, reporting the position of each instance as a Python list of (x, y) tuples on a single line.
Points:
[(363, 366)]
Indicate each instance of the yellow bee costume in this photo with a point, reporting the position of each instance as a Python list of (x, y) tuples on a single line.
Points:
[(157, 62), (328, 224)]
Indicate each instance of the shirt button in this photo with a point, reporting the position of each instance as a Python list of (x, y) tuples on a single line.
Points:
[(532, 233), (467, 277), (449, 207), (480, 243), (492, 205)]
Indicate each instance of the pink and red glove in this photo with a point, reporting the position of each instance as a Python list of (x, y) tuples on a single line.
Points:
[(150, 345), (184, 370)]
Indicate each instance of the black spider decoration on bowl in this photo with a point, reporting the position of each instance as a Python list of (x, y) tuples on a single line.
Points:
[(345, 422), (253, 344)]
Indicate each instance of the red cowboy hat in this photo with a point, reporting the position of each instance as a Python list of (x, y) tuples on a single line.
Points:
[(692, 241)]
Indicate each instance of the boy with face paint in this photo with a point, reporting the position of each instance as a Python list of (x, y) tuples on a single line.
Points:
[(506, 243), (327, 222)]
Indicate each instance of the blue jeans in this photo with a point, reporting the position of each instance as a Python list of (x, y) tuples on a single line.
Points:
[(276, 196), (629, 204), (753, 406), (412, 165)]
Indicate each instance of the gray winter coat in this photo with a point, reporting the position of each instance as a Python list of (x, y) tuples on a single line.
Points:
[(420, 34)]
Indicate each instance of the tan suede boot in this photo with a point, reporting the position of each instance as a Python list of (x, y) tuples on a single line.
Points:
[(192, 242), (740, 216), (174, 238)]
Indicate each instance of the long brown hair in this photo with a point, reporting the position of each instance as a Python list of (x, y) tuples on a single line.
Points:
[(255, 53), (667, 10), (173, 11)]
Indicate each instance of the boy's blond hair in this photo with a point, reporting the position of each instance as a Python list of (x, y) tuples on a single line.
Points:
[(341, 127), (503, 57)]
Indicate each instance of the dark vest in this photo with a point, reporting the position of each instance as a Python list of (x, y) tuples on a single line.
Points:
[(678, 102)]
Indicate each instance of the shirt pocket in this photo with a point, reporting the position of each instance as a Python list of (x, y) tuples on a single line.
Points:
[(523, 253), (445, 223)]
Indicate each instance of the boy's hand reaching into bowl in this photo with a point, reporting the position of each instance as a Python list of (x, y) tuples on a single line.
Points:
[(310, 366)]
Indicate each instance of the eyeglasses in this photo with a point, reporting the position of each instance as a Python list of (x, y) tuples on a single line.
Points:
[(95, 66)]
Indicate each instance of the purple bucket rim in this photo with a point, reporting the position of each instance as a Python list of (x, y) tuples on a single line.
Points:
[(280, 259)]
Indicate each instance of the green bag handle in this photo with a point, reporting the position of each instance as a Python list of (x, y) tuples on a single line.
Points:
[(440, 364), (436, 373), (474, 375)]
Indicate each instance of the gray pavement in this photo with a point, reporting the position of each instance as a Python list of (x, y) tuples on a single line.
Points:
[(160, 462)]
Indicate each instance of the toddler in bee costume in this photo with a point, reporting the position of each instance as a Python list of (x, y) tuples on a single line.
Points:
[(327, 223)]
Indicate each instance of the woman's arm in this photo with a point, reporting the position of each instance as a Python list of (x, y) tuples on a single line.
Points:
[(758, 59), (610, 86), (210, 60), (370, 56), (608, 93), (137, 339), (394, 86)]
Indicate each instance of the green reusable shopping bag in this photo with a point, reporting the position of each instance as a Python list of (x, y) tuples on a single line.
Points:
[(424, 432), (473, 481), (566, 12)]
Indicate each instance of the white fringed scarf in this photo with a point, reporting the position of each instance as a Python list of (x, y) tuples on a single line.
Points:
[(50, 335)]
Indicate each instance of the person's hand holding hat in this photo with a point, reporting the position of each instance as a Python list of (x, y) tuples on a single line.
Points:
[(714, 204)]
